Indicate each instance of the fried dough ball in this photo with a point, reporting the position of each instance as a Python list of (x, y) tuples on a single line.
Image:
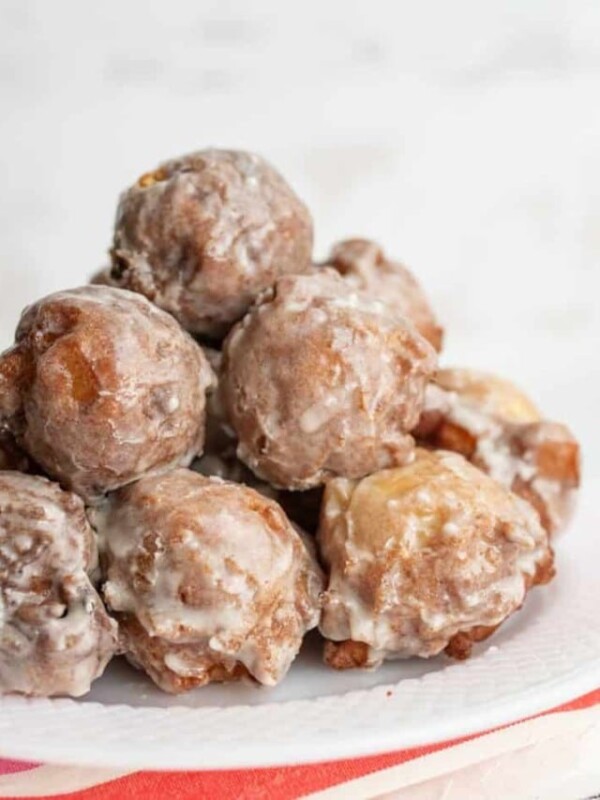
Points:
[(495, 426), (209, 580), (220, 460), (102, 387), (490, 393), (427, 557), (203, 234), (320, 381), (55, 635), (365, 267)]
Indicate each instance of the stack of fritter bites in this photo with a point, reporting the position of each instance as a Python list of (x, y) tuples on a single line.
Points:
[(219, 445)]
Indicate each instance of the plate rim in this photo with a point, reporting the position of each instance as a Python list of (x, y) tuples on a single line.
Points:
[(510, 709)]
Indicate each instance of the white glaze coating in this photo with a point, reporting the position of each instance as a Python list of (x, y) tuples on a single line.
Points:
[(364, 266), (506, 437), (421, 553), (320, 380), (205, 233), (102, 387), (490, 393), (212, 574), (55, 636)]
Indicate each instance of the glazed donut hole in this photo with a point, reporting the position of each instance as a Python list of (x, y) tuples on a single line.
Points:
[(319, 381), (490, 393), (101, 387), (496, 426), (548, 470), (462, 404), (366, 268), (208, 579), (204, 234), (423, 558), (55, 635)]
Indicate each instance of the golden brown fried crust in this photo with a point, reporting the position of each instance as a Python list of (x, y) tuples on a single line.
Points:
[(461, 644), (346, 655), (364, 265), (555, 454), (352, 655), (319, 381), (448, 436), (528, 493), (55, 634), (545, 571), (496, 427), (206, 574), (151, 650), (559, 461), (102, 387), (424, 557), (204, 234), (491, 393)]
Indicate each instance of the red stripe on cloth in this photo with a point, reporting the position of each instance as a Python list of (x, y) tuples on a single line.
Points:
[(278, 783), (7, 767), (585, 701)]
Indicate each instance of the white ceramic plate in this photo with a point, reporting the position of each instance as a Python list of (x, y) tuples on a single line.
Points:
[(547, 654)]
